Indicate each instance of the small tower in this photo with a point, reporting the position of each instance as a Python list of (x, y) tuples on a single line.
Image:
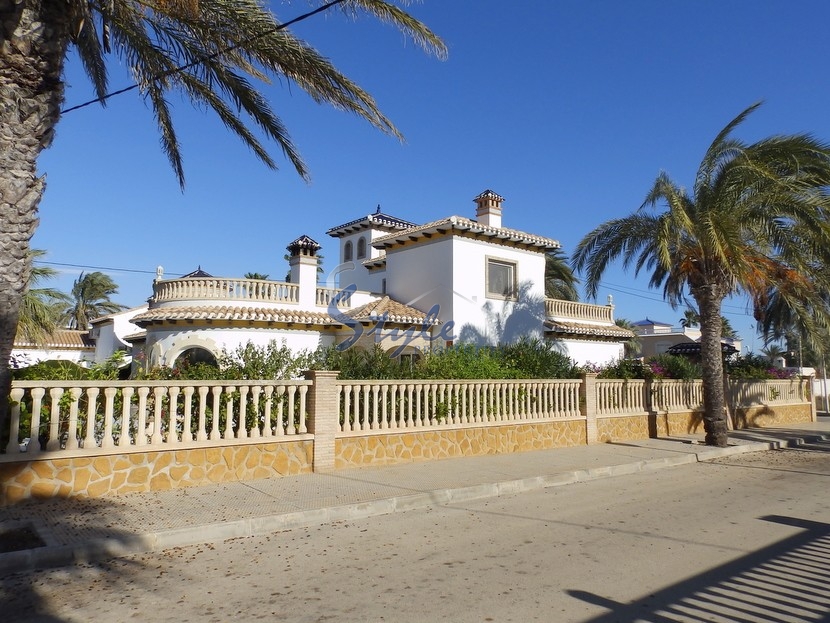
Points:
[(303, 262), (488, 208)]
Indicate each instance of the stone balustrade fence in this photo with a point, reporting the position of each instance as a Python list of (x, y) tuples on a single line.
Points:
[(103, 417), (383, 405), (105, 437)]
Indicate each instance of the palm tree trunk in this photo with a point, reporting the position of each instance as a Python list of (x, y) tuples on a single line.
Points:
[(33, 42), (711, 362)]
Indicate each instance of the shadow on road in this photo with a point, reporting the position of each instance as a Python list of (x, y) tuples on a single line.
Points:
[(40, 534), (787, 581)]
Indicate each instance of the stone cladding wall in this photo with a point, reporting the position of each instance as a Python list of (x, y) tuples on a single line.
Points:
[(390, 448), (621, 428), (150, 471)]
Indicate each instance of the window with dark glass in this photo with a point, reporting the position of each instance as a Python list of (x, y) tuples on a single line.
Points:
[(501, 279)]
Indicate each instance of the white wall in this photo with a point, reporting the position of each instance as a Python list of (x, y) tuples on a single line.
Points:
[(488, 319), (364, 279), (109, 334), (31, 356), (164, 346), (451, 272), (583, 352)]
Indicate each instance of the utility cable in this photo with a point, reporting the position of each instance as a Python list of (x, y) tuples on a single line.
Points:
[(208, 57)]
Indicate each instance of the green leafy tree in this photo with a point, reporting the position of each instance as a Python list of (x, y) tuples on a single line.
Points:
[(91, 294), (756, 218), (40, 311), (212, 52), (260, 276)]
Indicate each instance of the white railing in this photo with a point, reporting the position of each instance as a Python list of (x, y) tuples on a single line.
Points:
[(773, 392), (379, 405), (571, 310), (673, 395), (197, 289), (630, 397), (622, 397), (88, 418), (325, 296), (110, 416)]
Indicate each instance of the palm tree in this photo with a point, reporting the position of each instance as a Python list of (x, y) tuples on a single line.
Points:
[(757, 217), (260, 276), (560, 281), (773, 351), (690, 318), (41, 307), (632, 346), (91, 299), (212, 52)]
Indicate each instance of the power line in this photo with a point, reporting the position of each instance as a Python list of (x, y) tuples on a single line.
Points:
[(207, 57), (101, 268)]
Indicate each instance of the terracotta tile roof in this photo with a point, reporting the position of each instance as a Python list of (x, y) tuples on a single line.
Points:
[(379, 220), (231, 312), (588, 330), (100, 319), (61, 338), (135, 337), (393, 310), (464, 226)]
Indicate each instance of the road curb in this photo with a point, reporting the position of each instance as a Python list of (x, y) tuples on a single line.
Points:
[(98, 549)]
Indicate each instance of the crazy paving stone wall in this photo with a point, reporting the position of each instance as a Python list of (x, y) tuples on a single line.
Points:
[(150, 471), (760, 416), (621, 428), (387, 449), (773, 416)]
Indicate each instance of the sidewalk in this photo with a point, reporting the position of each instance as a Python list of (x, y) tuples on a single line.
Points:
[(66, 531)]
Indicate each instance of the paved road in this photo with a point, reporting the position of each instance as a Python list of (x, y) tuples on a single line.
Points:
[(740, 539)]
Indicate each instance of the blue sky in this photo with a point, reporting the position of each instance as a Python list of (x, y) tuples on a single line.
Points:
[(568, 109)]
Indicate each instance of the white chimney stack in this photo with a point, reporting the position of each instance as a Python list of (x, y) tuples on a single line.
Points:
[(303, 262), (488, 208)]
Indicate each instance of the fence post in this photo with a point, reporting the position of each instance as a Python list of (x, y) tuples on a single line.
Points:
[(588, 405), (323, 416), (807, 393)]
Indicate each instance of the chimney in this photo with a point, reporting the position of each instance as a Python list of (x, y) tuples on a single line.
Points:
[(488, 208), (303, 269)]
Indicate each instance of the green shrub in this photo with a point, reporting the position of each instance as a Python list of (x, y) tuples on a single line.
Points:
[(755, 367), (667, 366)]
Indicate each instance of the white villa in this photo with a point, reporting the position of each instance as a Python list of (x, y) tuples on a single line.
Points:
[(404, 286), (657, 337)]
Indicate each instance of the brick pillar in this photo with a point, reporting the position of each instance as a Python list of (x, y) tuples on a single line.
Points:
[(323, 416), (588, 405)]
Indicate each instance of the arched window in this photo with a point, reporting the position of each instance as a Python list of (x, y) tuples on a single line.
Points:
[(194, 356), (347, 251), (361, 248)]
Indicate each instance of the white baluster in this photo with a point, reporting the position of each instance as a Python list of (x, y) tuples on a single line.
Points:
[(187, 423), (54, 442), (126, 416), (256, 390), (141, 432), (13, 447), (107, 440)]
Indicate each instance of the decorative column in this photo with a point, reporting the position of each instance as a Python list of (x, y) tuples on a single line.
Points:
[(323, 416), (588, 405)]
